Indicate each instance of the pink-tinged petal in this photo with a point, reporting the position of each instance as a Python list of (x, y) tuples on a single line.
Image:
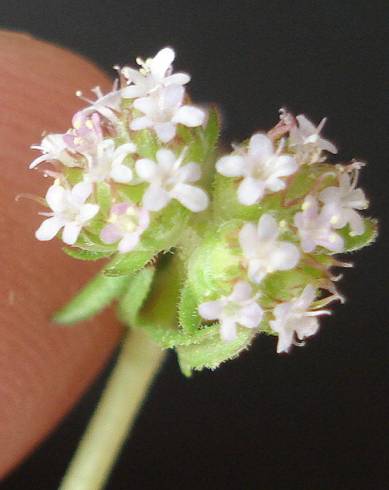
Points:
[(128, 242), (55, 198), (161, 62), (49, 228), (228, 330), (231, 166), (250, 316), (155, 198), (307, 297), (146, 169), (328, 146), (356, 199), (166, 159), (144, 219), (145, 104), (191, 197), (110, 234), (275, 184), (250, 191), (284, 256), (305, 125), (256, 270), (242, 291), (248, 239), (260, 147), (189, 116), (308, 244), (333, 242), (171, 96), (330, 195), (88, 211), (307, 327), (177, 79), (141, 123), (356, 222), (285, 341), (267, 228), (190, 172), (121, 174), (211, 310), (120, 208), (70, 233), (165, 131)]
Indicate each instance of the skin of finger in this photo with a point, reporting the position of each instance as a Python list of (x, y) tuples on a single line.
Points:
[(44, 368)]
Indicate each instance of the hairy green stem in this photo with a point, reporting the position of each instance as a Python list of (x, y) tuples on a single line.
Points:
[(126, 389)]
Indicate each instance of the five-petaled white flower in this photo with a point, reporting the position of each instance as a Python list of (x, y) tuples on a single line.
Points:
[(341, 203), (239, 308), (169, 179), (260, 167), (107, 162), (294, 318), (263, 252), (305, 137), (126, 224), (54, 148), (154, 73), (70, 211), (163, 110), (314, 227)]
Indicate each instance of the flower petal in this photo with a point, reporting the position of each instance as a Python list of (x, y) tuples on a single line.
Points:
[(248, 239), (231, 166), (190, 172), (242, 291), (110, 234), (250, 191), (260, 147), (284, 256), (161, 62), (165, 131), (88, 211), (250, 315), (155, 198), (128, 242), (267, 228), (228, 329), (56, 198), (189, 116), (121, 174), (191, 197), (70, 232), (146, 169), (82, 191), (49, 228), (211, 310), (140, 123)]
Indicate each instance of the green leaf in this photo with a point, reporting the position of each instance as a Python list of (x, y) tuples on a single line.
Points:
[(212, 129), (92, 299), (212, 350), (355, 242), (146, 143), (80, 254), (136, 293), (129, 263), (103, 197), (188, 315)]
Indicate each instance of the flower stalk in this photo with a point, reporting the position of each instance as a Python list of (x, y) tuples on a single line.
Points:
[(126, 389)]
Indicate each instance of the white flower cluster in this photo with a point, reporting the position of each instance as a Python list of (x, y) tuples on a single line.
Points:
[(260, 169), (100, 143)]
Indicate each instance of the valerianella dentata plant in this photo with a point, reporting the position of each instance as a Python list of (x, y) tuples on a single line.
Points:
[(207, 249)]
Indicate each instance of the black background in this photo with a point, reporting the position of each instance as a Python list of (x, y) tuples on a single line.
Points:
[(317, 418)]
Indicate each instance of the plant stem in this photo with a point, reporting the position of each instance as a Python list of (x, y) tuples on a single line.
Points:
[(126, 389)]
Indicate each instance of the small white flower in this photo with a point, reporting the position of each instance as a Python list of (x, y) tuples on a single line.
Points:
[(163, 110), (107, 105), (260, 167), (263, 252), (305, 137), (126, 224), (154, 73), (314, 227), (107, 163), (239, 308), (341, 203), (53, 147), (293, 318), (70, 212), (169, 179)]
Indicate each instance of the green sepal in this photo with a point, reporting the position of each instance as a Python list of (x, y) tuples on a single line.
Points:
[(128, 263), (355, 242), (211, 351), (103, 197), (91, 299), (146, 143), (80, 254), (135, 295)]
